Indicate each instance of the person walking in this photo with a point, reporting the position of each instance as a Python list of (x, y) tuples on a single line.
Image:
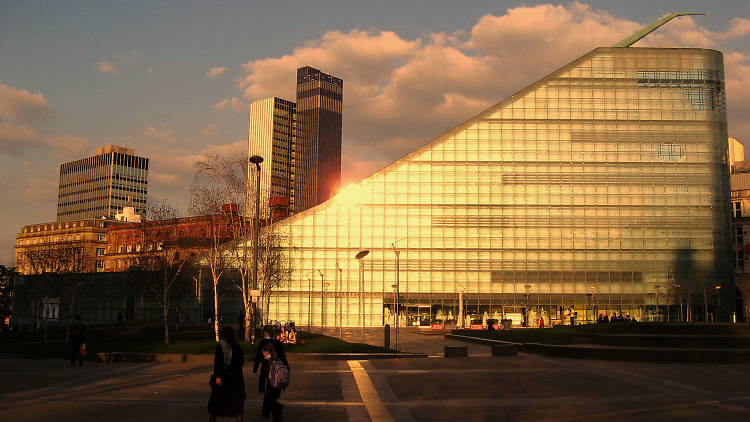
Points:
[(264, 364), (227, 382), (277, 380), (77, 336)]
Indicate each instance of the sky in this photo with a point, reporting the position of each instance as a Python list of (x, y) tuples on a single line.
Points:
[(173, 79)]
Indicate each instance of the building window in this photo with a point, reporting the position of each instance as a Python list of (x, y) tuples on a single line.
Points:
[(737, 205), (740, 259), (100, 251), (738, 235), (102, 237)]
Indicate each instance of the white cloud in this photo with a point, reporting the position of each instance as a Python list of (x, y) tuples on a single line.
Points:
[(16, 139), (215, 71), (106, 67), (400, 93), (22, 105), (163, 134), (233, 103)]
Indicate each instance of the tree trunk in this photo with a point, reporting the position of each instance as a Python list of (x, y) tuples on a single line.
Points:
[(216, 309), (165, 320)]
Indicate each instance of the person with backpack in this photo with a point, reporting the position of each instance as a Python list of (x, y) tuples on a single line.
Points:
[(277, 380), (227, 381), (264, 364)]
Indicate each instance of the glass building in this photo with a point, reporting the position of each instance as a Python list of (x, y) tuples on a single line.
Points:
[(103, 184), (271, 135), (317, 161), (589, 188)]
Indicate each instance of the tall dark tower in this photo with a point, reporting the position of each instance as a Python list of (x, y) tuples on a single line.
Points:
[(317, 172)]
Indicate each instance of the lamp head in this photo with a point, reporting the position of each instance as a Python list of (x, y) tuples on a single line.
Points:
[(256, 159), (361, 254)]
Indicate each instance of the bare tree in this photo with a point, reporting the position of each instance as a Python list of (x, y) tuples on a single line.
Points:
[(670, 289), (219, 193), (743, 285), (163, 254), (276, 266)]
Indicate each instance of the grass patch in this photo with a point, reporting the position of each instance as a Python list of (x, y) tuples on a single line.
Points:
[(149, 339)]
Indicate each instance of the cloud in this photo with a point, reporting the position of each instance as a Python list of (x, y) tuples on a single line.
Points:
[(211, 131), (163, 134), (399, 93), (233, 103), (215, 71), (106, 67), (14, 140), (22, 105)]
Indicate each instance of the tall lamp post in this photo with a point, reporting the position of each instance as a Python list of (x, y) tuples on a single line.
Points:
[(322, 301), (359, 256), (309, 303), (397, 301), (255, 159), (337, 302)]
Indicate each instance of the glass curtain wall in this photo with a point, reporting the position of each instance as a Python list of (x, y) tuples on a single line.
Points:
[(585, 189)]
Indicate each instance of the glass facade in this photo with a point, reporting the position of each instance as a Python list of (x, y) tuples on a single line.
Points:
[(271, 135), (317, 161), (586, 188), (101, 185)]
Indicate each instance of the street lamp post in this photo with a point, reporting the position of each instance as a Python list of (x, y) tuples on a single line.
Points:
[(718, 302), (337, 302), (322, 302), (309, 303), (358, 257), (397, 301), (255, 159)]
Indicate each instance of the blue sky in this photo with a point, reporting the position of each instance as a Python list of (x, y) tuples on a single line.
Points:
[(76, 75)]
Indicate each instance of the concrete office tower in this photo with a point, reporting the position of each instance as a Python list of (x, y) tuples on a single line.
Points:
[(271, 135), (588, 188), (317, 174), (101, 185), (736, 152)]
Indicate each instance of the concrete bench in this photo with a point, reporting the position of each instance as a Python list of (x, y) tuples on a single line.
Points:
[(456, 351), (504, 350)]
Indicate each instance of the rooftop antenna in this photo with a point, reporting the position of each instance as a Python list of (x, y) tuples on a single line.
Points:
[(627, 42)]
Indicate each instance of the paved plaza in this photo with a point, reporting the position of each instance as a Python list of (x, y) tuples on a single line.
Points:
[(478, 388)]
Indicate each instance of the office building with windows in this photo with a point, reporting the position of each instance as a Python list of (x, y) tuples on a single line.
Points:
[(103, 184), (317, 173), (271, 135), (600, 187)]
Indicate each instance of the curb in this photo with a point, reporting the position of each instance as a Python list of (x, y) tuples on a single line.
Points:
[(118, 357), (635, 354)]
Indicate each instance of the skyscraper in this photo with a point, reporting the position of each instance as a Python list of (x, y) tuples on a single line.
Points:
[(101, 185), (271, 135), (317, 173)]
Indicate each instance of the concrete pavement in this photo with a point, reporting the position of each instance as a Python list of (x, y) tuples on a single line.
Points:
[(478, 388)]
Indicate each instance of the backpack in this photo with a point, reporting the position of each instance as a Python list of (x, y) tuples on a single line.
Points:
[(278, 376)]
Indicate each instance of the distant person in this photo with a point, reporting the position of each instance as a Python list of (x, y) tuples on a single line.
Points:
[(241, 324), (541, 322), (227, 382), (77, 336), (276, 381), (264, 365), (119, 317)]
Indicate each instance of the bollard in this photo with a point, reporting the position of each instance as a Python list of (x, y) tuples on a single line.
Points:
[(387, 333), (456, 352)]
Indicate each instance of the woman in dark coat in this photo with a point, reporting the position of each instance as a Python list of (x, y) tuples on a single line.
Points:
[(227, 382)]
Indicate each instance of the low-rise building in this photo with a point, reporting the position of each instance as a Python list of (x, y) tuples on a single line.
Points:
[(70, 246)]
